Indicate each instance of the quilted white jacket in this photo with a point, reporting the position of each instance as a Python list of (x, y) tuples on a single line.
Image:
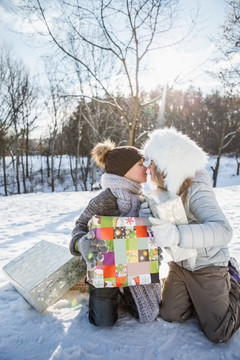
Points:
[(208, 230)]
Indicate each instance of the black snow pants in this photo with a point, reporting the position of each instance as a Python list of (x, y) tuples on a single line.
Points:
[(103, 305)]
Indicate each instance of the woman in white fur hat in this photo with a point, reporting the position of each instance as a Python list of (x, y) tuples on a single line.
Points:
[(203, 287)]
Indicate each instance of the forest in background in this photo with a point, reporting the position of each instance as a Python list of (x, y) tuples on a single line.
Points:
[(78, 104)]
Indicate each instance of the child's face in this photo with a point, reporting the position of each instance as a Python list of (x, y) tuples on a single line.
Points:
[(137, 173)]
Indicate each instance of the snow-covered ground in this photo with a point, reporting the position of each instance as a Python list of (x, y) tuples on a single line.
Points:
[(63, 331)]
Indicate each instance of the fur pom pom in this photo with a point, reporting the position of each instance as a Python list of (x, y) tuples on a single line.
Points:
[(100, 151)]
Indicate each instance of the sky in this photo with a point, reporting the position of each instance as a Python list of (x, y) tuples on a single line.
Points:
[(189, 62)]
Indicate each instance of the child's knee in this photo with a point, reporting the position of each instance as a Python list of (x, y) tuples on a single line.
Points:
[(102, 313), (103, 307)]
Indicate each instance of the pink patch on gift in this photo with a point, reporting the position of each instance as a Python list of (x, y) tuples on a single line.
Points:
[(109, 258), (138, 268), (140, 221), (97, 232)]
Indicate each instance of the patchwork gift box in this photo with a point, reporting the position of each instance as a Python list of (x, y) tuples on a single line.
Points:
[(132, 258)]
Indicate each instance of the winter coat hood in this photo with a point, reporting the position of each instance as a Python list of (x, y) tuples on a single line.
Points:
[(176, 155)]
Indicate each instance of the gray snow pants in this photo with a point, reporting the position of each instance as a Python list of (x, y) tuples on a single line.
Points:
[(209, 293)]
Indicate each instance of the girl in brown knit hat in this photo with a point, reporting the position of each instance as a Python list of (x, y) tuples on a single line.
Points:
[(122, 196)]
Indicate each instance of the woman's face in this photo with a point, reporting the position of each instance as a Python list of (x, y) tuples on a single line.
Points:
[(151, 169), (137, 173), (157, 178)]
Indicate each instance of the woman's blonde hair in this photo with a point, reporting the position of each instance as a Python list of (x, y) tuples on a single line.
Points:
[(158, 178)]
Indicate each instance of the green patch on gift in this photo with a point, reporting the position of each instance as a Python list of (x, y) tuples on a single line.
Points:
[(110, 244), (121, 270), (131, 233), (125, 283), (131, 244), (109, 282), (106, 221), (153, 254), (154, 267), (132, 256)]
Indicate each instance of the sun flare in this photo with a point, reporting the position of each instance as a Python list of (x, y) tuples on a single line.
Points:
[(166, 67)]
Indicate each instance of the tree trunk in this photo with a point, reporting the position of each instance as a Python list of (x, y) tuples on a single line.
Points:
[(238, 163), (27, 152), (94, 175), (48, 166), (23, 175), (5, 175), (220, 149), (59, 166), (17, 175), (215, 170), (52, 174), (76, 173), (131, 136), (41, 170), (72, 173)]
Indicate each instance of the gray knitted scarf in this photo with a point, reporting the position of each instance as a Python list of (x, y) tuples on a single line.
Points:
[(129, 198), (128, 193)]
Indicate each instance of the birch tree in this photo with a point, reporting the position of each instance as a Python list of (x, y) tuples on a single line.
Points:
[(127, 32)]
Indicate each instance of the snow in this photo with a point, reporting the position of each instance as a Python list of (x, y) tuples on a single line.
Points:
[(63, 331)]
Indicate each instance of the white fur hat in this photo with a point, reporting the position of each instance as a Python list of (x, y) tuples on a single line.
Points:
[(176, 155)]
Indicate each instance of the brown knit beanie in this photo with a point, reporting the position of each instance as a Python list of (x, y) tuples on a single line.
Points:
[(115, 160)]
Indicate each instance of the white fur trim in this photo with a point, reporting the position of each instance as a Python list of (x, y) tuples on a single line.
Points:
[(176, 155)]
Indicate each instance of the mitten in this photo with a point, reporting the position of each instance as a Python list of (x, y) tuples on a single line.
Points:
[(144, 210), (166, 234), (91, 248)]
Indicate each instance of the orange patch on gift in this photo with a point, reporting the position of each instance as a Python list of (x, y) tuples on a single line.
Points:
[(141, 231), (107, 233), (120, 281), (109, 271)]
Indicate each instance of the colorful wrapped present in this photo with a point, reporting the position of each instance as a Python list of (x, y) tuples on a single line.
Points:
[(132, 258)]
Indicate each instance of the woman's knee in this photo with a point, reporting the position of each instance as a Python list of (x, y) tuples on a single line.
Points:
[(171, 314)]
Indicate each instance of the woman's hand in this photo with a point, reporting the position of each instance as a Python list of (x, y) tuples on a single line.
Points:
[(165, 233)]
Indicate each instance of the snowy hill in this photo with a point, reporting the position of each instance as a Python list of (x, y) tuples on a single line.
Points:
[(63, 331)]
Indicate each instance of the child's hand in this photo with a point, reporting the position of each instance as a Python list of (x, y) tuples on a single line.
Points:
[(144, 210), (91, 248)]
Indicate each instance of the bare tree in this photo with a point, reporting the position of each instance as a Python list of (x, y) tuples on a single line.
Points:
[(56, 108), (228, 48), (5, 114), (125, 31), (17, 97)]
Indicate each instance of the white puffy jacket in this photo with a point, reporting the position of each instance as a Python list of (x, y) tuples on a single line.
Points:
[(208, 230)]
